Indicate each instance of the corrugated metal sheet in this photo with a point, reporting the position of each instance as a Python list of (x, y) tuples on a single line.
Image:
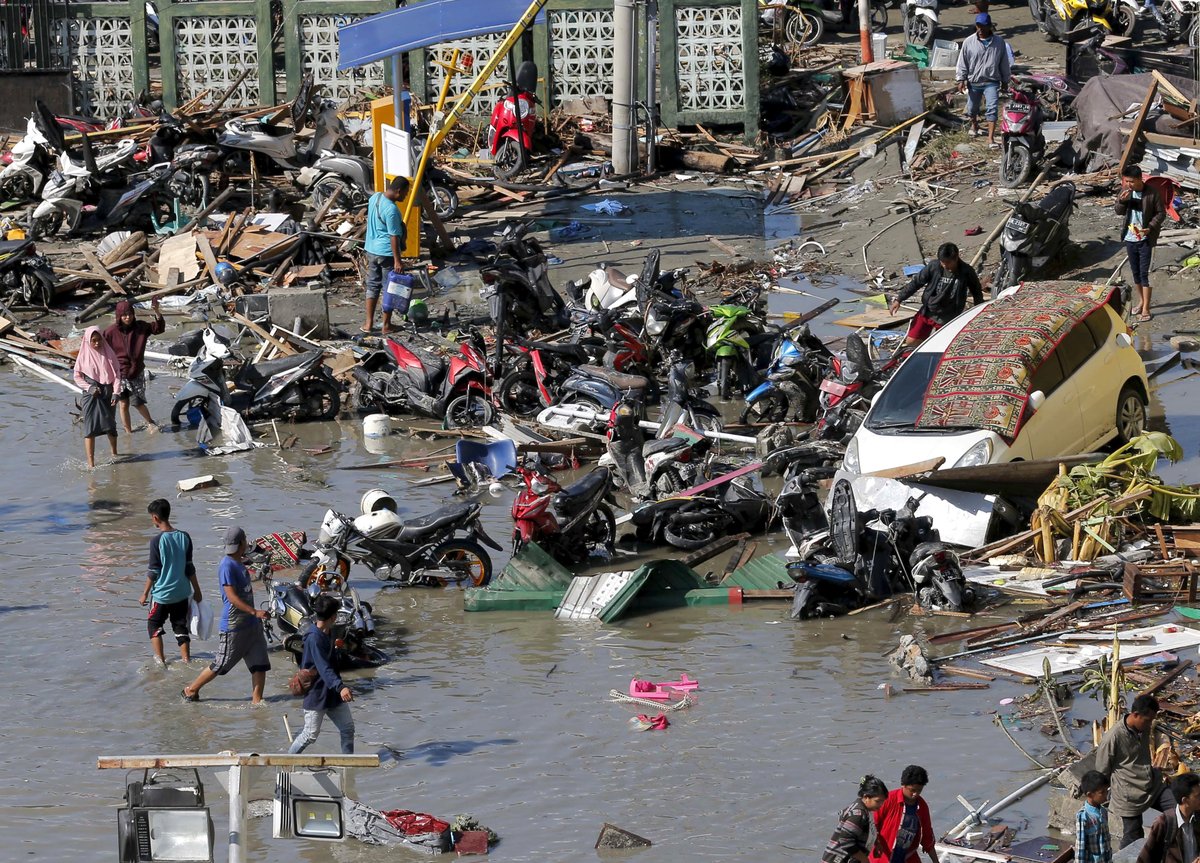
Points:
[(762, 573), (589, 596), (533, 569), (486, 599)]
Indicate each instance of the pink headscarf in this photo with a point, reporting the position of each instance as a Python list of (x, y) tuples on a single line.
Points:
[(99, 364)]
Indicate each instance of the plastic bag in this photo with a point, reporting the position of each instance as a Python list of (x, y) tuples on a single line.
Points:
[(200, 620)]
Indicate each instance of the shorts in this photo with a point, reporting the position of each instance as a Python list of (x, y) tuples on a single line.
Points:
[(134, 391), (249, 644), (176, 612), (922, 327), (378, 266)]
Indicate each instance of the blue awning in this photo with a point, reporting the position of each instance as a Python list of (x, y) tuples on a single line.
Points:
[(423, 24)]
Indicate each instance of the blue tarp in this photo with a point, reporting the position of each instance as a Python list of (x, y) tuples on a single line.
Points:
[(423, 24)]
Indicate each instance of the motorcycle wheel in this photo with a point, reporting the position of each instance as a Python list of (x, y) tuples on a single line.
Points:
[(696, 535), (19, 188), (181, 408), (1016, 164), (444, 201), (1003, 277), (709, 423), (509, 160), (193, 189), (724, 377), (465, 557), (319, 400), (918, 30), (469, 411), (37, 288), (1124, 20), (518, 393), (46, 226), (879, 17), (803, 29), (600, 530), (771, 408)]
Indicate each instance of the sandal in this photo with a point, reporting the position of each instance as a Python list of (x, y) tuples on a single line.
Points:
[(1146, 318), (1136, 310), (183, 694), (366, 332)]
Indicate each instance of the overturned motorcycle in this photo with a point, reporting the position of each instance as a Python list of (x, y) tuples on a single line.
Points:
[(291, 606)]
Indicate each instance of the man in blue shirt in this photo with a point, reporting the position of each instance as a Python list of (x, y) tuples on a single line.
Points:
[(383, 246), (170, 582), (329, 696), (242, 636)]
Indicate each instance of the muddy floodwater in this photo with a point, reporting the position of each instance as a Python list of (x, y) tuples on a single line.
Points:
[(505, 716)]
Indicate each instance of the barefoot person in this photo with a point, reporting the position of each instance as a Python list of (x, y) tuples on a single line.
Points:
[(127, 337), (329, 696), (170, 581), (383, 246), (1142, 215), (855, 835), (242, 636), (97, 373)]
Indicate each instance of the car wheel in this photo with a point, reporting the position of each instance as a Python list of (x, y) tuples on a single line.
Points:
[(1131, 415)]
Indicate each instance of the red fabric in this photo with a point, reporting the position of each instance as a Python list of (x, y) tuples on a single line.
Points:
[(415, 823), (887, 822), (658, 723), (922, 328), (130, 344)]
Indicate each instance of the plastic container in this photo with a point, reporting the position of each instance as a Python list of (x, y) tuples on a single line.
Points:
[(397, 293), (879, 46), (944, 54), (377, 425)]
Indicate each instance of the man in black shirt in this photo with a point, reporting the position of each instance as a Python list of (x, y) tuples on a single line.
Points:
[(946, 282)]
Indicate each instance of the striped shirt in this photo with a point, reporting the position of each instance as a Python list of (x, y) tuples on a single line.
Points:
[(853, 834)]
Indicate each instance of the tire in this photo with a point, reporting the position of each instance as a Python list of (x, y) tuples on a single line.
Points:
[(192, 189), (600, 529), (724, 377), (444, 201), (518, 393), (1016, 165), (1009, 273), (37, 287), (1131, 414), (319, 400), (42, 227), (466, 556), (879, 18), (1124, 20), (181, 408), (469, 411), (804, 29), (708, 422), (509, 160), (918, 30), (325, 188), (19, 187), (694, 536), (771, 408)]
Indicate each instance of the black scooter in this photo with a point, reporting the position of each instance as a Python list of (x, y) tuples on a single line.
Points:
[(291, 607), (26, 277), (517, 288), (1034, 235)]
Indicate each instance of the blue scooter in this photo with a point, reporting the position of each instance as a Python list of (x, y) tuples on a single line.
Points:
[(790, 392)]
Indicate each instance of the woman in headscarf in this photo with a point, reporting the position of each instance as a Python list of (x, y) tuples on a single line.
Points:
[(97, 372), (127, 337)]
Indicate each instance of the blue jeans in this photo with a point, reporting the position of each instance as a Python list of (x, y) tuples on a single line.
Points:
[(342, 721), (991, 95), (1139, 261)]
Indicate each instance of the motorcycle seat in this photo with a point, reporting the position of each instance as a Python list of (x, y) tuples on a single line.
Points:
[(435, 521), (617, 379), (9, 247), (570, 351), (258, 374), (583, 488), (668, 444), (273, 130)]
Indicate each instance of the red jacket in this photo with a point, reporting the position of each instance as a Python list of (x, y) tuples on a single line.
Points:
[(887, 822)]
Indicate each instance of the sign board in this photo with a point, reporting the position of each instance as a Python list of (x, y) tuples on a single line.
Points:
[(397, 152)]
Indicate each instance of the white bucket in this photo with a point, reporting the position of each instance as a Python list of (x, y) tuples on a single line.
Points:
[(879, 46), (377, 425)]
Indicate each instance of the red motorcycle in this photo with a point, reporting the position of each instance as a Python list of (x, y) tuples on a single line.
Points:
[(400, 379), (514, 119), (567, 523)]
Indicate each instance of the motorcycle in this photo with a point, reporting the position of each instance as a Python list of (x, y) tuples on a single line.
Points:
[(291, 607), (855, 379), (24, 176), (691, 523), (400, 379), (426, 551), (517, 289), (297, 388), (1059, 20), (1178, 20), (938, 578), (26, 277), (790, 391), (539, 377), (1022, 143), (99, 183), (823, 590), (513, 123), (807, 25), (734, 340), (567, 523), (920, 21), (652, 469), (1034, 235)]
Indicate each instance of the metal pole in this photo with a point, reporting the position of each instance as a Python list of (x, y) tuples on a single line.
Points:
[(237, 816), (624, 134), (397, 86), (651, 83), (864, 31)]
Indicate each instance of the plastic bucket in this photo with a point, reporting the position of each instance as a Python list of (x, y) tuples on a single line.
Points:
[(377, 425)]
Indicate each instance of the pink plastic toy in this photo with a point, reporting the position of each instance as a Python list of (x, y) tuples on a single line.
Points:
[(662, 691)]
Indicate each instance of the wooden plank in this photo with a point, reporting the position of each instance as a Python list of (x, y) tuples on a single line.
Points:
[(1137, 127), (927, 466), (713, 548), (965, 672), (101, 271), (732, 565), (1167, 678), (877, 319), (210, 259), (283, 346)]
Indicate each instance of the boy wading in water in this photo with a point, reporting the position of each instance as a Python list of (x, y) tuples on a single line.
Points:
[(170, 582)]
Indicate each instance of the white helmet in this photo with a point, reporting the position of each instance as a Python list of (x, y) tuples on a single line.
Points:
[(375, 500)]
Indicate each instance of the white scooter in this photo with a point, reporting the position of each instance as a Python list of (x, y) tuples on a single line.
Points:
[(76, 183), (22, 179), (920, 21)]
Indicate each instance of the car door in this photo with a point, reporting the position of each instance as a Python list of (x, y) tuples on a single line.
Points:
[(1055, 428), (1103, 376), (1083, 366)]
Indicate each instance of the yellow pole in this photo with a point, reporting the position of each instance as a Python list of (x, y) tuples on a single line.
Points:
[(439, 133)]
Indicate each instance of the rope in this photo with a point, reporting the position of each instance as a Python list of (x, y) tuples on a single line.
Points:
[(686, 701)]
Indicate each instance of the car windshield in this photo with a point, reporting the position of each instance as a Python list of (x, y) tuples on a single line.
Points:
[(899, 404)]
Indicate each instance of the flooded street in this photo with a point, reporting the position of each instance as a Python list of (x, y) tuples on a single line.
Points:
[(505, 716)]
